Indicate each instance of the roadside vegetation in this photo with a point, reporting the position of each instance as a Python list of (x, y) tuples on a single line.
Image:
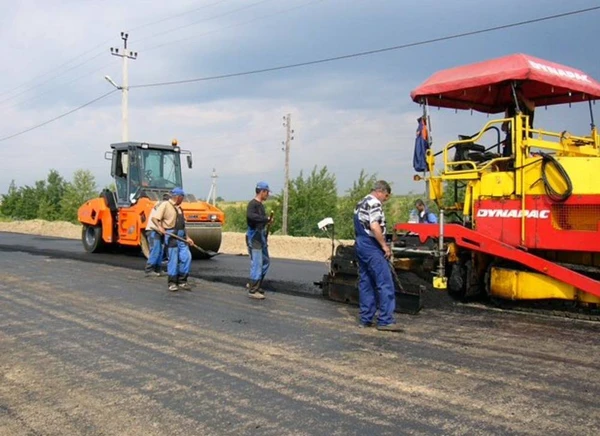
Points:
[(312, 197)]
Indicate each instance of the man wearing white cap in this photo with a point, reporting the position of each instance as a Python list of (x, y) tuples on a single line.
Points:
[(256, 239)]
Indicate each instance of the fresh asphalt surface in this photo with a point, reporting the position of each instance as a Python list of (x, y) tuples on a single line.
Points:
[(290, 276), (96, 349)]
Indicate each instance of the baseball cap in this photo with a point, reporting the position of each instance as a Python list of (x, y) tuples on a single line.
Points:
[(263, 185), (178, 191)]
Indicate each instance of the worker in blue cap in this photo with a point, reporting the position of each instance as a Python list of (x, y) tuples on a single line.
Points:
[(256, 239), (169, 220)]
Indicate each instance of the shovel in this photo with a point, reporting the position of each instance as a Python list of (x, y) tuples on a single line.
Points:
[(406, 302), (201, 250)]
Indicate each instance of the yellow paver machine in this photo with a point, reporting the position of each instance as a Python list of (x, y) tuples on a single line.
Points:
[(519, 205)]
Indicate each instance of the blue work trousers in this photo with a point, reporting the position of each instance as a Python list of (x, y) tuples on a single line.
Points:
[(258, 250), (259, 263), (180, 257), (375, 287), (156, 251)]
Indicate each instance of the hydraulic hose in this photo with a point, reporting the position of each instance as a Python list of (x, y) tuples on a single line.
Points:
[(555, 196)]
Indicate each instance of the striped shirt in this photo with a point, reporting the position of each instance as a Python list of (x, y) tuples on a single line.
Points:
[(370, 210)]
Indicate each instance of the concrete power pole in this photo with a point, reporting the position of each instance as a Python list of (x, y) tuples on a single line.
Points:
[(125, 54), (213, 188), (288, 138)]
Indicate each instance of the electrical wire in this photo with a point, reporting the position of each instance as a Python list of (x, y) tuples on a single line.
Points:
[(60, 116), (243, 23), (162, 20), (56, 69), (205, 19), (50, 79), (398, 47), (370, 52), (93, 49), (62, 85)]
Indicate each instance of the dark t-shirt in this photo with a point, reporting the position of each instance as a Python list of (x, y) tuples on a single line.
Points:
[(256, 217)]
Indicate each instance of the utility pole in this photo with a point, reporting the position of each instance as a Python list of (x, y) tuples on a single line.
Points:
[(213, 188), (288, 138), (125, 54)]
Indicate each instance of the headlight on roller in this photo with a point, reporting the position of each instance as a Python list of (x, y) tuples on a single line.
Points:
[(213, 217)]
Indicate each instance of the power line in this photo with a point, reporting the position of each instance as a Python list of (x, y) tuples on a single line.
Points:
[(398, 47), (205, 19), (370, 52), (243, 23), (62, 85), (59, 117), (50, 79), (93, 49), (176, 15), (56, 69)]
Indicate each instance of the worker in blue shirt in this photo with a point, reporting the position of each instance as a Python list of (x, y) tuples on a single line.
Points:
[(423, 214)]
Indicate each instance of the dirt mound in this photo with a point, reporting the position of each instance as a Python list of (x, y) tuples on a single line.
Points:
[(286, 247), (61, 229)]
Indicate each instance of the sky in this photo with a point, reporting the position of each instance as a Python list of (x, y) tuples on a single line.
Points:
[(350, 115)]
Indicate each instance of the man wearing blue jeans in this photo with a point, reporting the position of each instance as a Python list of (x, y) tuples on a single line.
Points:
[(256, 239), (155, 243), (375, 283), (169, 220)]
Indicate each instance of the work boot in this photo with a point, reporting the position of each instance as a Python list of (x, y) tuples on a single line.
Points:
[(390, 328), (183, 283), (173, 284), (254, 292), (150, 271)]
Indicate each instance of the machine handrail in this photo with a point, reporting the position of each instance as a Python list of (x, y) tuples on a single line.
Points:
[(471, 140)]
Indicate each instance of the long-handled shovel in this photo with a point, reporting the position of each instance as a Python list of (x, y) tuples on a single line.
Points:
[(207, 253)]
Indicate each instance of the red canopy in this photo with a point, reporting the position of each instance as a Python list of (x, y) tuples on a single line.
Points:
[(485, 86)]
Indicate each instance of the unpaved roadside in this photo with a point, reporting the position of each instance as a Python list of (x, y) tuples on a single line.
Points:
[(283, 247)]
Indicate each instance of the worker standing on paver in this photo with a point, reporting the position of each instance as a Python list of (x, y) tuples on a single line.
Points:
[(156, 243), (375, 276), (256, 240), (169, 220)]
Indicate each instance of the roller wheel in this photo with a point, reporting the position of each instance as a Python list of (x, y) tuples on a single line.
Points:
[(91, 237), (144, 245)]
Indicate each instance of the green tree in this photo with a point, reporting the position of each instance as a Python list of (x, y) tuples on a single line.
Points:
[(311, 200), (235, 218), (50, 196), (344, 224), (10, 201), (29, 203), (81, 189)]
